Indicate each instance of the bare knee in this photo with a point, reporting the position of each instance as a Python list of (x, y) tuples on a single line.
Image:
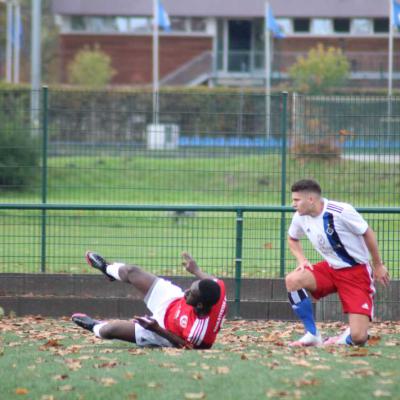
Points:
[(107, 331), (292, 282), (128, 273), (359, 337)]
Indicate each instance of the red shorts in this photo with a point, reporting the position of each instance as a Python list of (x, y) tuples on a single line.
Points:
[(354, 285)]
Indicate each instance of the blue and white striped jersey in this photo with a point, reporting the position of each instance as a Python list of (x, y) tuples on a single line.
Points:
[(336, 234)]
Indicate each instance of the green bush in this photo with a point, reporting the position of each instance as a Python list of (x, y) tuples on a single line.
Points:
[(91, 67), (321, 70), (19, 151)]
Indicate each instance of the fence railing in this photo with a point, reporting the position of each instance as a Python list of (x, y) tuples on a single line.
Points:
[(216, 181)]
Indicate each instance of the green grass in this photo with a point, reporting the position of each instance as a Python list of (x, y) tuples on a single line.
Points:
[(155, 239), (237, 179), (45, 357)]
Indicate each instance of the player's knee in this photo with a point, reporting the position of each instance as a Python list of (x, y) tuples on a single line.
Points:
[(129, 272), (292, 282), (107, 331), (359, 337)]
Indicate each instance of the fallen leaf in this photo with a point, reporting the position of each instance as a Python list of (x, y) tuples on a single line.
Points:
[(197, 376), (374, 340), (108, 381), (132, 396), (153, 385), (21, 391), (60, 377), (223, 370), (381, 393), (65, 388), (47, 397), (194, 396)]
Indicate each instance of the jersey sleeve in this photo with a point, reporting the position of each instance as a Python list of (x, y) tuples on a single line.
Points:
[(295, 229), (354, 221)]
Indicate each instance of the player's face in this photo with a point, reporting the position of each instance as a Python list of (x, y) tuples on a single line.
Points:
[(302, 202), (192, 295)]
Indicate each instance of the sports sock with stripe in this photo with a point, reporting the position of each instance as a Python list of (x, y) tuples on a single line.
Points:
[(302, 306)]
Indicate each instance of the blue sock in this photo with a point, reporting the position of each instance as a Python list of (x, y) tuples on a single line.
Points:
[(302, 306), (349, 341)]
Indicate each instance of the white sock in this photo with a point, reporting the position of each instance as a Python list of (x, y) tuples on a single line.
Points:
[(96, 329), (113, 269)]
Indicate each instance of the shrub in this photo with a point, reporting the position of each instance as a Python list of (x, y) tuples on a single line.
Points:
[(321, 70), (91, 67), (19, 152)]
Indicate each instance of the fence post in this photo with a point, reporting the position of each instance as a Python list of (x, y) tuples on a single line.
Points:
[(238, 260), (44, 175), (283, 183)]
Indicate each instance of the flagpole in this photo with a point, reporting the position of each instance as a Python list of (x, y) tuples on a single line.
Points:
[(267, 52), (9, 41), (390, 56), (17, 40), (155, 62)]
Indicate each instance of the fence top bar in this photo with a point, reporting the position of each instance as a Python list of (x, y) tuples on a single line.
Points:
[(139, 207)]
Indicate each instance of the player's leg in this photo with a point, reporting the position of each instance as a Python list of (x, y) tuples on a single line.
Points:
[(296, 283), (142, 280), (121, 330), (359, 325)]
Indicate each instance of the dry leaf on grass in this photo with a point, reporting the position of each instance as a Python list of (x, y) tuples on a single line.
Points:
[(21, 391), (222, 370), (108, 381), (382, 393), (47, 397), (154, 385), (65, 388), (60, 377), (194, 396)]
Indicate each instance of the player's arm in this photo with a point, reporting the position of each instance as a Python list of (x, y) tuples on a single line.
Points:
[(191, 266), (380, 272), (152, 325), (297, 250)]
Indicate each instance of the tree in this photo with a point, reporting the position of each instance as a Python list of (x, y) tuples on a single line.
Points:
[(91, 67), (322, 69)]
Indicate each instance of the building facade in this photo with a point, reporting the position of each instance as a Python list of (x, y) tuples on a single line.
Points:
[(223, 42)]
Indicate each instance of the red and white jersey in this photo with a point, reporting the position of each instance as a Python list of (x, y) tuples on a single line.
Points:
[(336, 234), (181, 319)]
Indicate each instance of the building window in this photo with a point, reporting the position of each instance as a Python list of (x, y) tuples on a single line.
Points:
[(78, 23), (301, 25), (381, 25), (341, 25), (361, 26), (198, 25), (178, 24), (286, 25), (321, 26)]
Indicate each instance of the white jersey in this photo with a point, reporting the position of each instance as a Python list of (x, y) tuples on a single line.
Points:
[(336, 234)]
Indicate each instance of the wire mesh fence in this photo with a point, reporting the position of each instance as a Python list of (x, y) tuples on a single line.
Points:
[(202, 148)]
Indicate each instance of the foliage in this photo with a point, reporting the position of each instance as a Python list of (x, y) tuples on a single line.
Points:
[(91, 67), (19, 155), (322, 69)]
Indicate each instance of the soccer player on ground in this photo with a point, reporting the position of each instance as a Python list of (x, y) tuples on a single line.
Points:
[(345, 241), (190, 319)]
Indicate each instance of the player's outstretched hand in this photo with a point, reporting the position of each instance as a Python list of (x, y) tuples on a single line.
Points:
[(147, 322), (381, 274), (189, 263)]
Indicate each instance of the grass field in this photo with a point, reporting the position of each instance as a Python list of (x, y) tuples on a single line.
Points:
[(53, 359), (155, 239)]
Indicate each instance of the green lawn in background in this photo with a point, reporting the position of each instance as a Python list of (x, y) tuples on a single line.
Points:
[(154, 240), (237, 179), (54, 359)]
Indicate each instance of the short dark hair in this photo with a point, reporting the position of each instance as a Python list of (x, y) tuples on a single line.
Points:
[(306, 185), (209, 292)]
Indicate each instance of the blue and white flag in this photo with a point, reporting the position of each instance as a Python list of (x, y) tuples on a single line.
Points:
[(396, 14), (272, 25), (163, 18)]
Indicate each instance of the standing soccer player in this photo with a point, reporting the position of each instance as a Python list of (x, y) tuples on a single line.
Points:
[(190, 319), (346, 242)]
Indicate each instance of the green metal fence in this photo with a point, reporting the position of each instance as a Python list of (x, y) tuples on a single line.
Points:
[(210, 174)]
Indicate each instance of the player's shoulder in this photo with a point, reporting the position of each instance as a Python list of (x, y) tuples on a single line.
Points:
[(338, 207)]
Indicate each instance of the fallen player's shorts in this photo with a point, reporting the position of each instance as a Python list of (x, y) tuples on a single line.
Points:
[(354, 285), (157, 301)]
